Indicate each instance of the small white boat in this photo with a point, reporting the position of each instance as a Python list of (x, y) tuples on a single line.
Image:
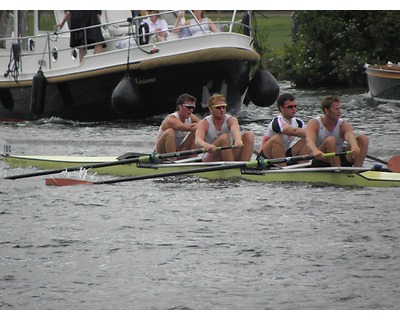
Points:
[(384, 82)]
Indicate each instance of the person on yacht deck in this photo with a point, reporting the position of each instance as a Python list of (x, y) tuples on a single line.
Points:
[(158, 27), (195, 28), (86, 38)]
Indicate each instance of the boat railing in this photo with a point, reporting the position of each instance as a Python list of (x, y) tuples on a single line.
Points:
[(228, 26), (221, 25), (47, 47), (123, 28)]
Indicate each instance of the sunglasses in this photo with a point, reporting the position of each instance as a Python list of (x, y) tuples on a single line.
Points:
[(189, 106), (219, 106), (291, 106)]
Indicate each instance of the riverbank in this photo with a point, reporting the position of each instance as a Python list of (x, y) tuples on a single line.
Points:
[(274, 28)]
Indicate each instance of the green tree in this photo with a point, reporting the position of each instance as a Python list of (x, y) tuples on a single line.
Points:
[(331, 47)]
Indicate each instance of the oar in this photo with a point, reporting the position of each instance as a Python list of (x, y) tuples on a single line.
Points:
[(262, 162), (393, 163), (143, 159)]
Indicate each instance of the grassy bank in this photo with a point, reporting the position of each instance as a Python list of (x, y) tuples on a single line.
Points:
[(274, 28), (273, 31), (277, 25)]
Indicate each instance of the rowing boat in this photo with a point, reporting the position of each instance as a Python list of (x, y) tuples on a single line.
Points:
[(341, 176)]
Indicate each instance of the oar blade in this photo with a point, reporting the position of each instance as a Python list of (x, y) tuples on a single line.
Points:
[(394, 164), (64, 182)]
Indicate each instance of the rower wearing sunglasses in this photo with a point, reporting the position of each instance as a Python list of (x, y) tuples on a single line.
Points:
[(177, 130), (220, 129), (285, 134)]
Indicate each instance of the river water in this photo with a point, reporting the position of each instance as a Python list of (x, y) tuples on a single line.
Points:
[(189, 243)]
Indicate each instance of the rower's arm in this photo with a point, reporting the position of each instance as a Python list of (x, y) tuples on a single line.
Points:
[(234, 127), (348, 134), (176, 124), (297, 132), (311, 136), (349, 137), (201, 132)]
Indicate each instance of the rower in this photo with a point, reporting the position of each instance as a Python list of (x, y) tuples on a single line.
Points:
[(219, 129), (285, 135), (177, 130), (329, 132)]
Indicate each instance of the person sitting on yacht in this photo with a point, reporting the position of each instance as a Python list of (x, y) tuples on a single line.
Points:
[(158, 27), (195, 27)]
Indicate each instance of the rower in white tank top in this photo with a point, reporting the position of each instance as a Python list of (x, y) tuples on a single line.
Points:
[(213, 133), (180, 136), (323, 133)]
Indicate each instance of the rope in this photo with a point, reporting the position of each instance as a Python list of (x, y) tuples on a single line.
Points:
[(15, 61)]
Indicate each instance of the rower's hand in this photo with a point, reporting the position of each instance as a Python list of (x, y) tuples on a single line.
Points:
[(318, 154), (210, 148), (355, 150), (239, 144), (193, 127)]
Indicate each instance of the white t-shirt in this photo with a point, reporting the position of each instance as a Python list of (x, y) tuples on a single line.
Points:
[(159, 24), (276, 127)]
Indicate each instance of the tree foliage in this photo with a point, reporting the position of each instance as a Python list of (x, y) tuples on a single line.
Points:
[(330, 48)]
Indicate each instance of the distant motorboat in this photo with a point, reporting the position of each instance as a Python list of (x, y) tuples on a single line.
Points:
[(130, 78), (384, 82)]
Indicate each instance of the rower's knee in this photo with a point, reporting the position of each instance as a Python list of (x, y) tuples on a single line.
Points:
[(362, 141), (169, 133), (248, 137), (330, 142), (277, 138), (275, 141), (225, 139)]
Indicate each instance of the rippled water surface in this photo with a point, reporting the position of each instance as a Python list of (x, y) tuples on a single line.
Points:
[(189, 243)]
